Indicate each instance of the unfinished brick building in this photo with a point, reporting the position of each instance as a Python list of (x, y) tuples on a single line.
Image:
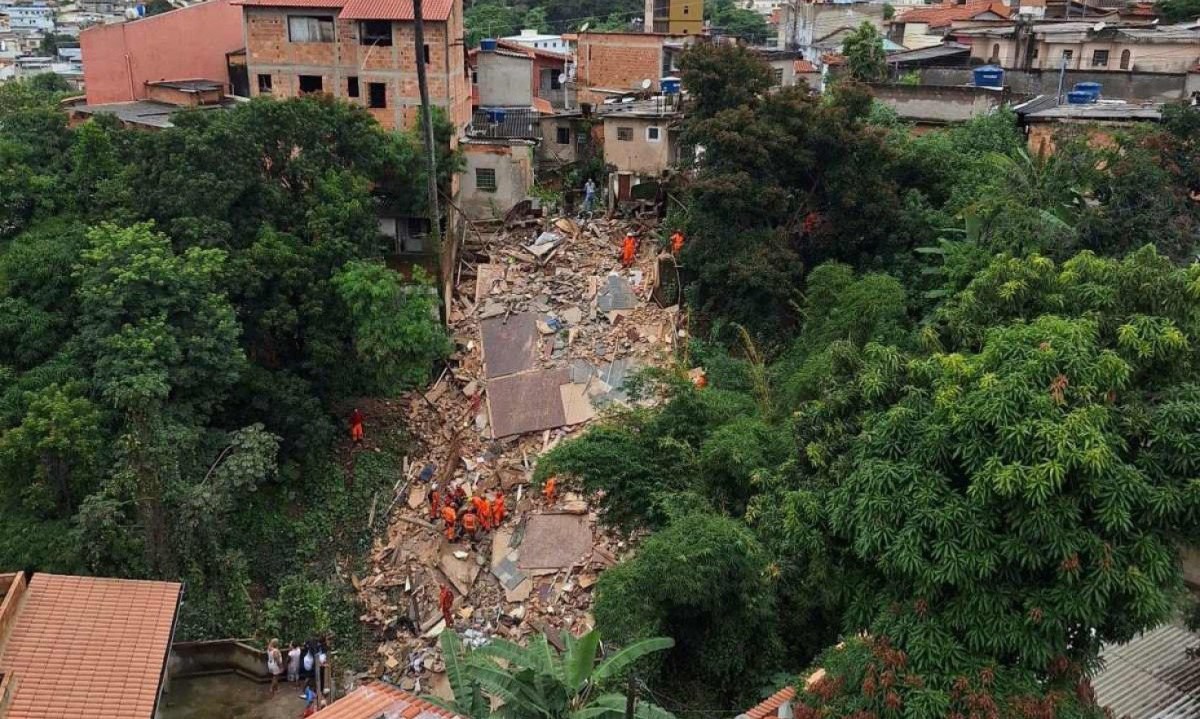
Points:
[(361, 51), (611, 63)]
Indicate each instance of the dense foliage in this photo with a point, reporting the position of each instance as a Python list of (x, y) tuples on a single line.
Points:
[(970, 437), (183, 313)]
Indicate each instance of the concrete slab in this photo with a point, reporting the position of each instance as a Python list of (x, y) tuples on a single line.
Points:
[(527, 402), (577, 405), (460, 572), (509, 345), (616, 294), (555, 541)]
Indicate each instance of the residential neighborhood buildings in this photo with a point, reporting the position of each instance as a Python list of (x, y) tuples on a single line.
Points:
[(614, 63), (815, 28), (1088, 45), (361, 51)]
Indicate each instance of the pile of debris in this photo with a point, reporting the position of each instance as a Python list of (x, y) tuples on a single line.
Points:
[(547, 327)]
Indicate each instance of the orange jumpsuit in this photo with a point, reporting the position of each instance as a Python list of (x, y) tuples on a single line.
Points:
[(550, 490), (676, 242), (451, 518), (484, 509), (470, 524), (435, 504), (445, 602), (498, 510), (628, 251), (356, 426)]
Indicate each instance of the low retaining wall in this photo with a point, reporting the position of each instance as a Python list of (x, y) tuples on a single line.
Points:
[(222, 656), (1116, 85)]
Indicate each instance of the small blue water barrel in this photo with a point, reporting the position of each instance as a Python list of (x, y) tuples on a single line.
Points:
[(1079, 97), (488, 44), (1092, 88), (988, 76), (670, 85)]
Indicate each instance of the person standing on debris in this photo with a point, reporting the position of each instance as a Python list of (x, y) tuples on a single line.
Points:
[(628, 250), (445, 603), (589, 195), (550, 491), (483, 508), (274, 664), (435, 504), (676, 242), (356, 426), (470, 524), (450, 517), (498, 509)]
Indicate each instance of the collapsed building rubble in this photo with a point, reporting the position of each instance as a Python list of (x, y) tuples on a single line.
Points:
[(547, 326)]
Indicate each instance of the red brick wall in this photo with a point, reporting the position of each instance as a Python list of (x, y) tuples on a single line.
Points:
[(270, 52), (618, 61)]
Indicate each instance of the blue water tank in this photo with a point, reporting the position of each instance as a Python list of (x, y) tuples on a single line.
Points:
[(1079, 97), (488, 44), (1092, 88), (670, 85), (988, 76)]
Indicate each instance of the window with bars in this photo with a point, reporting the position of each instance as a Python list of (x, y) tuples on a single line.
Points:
[(310, 28), (1100, 58), (485, 179), (625, 134)]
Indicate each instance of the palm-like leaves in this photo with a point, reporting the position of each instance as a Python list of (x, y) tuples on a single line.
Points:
[(539, 681)]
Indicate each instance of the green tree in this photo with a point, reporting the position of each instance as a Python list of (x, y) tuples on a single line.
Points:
[(739, 21), (864, 53), (720, 77), (535, 19), (487, 18), (397, 331), (704, 578), (1174, 11)]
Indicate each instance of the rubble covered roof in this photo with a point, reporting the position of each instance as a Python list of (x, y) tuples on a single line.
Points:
[(89, 646)]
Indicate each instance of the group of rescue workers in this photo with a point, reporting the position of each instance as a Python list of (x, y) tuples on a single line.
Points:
[(629, 247)]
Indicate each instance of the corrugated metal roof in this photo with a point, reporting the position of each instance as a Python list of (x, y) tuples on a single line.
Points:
[(1151, 677), (435, 10)]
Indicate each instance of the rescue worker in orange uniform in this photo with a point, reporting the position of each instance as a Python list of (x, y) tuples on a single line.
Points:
[(450, 517), (676, 242), (483, 509), (445, 602), (470, 524), (550, 491), (498, 509), (356, 426), (628, 250), (435, 505)]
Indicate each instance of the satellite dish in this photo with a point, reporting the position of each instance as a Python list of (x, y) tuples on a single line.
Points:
[(646, 84), (562, 78), (1098, 26), (585, 26)]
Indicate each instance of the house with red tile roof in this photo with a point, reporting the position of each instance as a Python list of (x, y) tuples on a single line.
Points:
[(929, 26), (380, 699), (84, 646), (361, 51)]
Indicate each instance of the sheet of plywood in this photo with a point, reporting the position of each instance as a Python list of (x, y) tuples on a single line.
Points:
[(526, 402), (555, 541), (509, 344)]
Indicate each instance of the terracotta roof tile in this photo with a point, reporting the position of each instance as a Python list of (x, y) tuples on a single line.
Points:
[(770, 705), (85, 646), (804, 66), (369, 701), (949, 11), (432, 10)]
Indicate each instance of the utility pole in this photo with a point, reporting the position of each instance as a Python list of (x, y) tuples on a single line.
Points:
[(1062, 77), (435, 229)]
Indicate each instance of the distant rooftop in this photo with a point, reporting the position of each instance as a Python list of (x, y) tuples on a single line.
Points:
[(142, 112), (1151, 677), (85, 646), (189, 85), (1098, 111), (434, 10)]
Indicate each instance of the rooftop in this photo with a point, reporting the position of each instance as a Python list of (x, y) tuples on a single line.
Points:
[(946, 13), (433, 10), (371, 701), (75, 645), (189, 85), (1098, 111), (146, 113), (1151, 677), (936, 52)]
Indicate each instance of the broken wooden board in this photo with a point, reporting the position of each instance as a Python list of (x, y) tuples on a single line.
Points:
[(460, 572), (527, 402), (509, 346), (555, 541), (486, 277)]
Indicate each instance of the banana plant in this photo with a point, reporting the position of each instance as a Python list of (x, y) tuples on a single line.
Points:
[(538, 681)]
